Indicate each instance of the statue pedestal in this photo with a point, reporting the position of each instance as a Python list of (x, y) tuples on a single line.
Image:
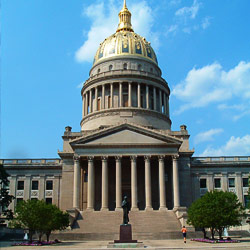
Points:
[(125, 234)]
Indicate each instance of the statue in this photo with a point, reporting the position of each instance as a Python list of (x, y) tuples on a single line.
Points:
[(126, 208)]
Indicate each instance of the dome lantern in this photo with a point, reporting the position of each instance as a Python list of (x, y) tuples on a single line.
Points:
[(125, 19)]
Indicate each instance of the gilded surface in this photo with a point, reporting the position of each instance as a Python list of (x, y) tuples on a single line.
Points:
[(125, 42)]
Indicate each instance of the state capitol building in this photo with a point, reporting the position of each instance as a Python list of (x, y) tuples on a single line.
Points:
[(126, 147)]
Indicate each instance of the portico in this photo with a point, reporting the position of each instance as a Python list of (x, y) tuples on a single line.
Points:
[(151, 181)]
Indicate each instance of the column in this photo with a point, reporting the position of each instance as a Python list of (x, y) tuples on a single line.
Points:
[(176, 182), (120, 95), (129, 94), (56, 191), (91, 184), (224, 181), (134, 206), (104, 183), (112, 95), (147, 97), (139, 95), (167, 106), (42, 187), (160, 100), (165, 103), (154, 98), (148, 194), (77, 174), (162, 183), (96, 98), (86, 103), (12, 190), (27, 187), (83, 106), (118, 183), (210, 184), (103, 96), (239, 186), (90, 101)]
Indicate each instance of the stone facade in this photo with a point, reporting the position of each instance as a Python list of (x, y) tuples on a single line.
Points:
[(126, 145)]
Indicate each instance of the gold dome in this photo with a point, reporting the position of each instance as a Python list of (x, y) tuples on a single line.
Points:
[(125, 42)]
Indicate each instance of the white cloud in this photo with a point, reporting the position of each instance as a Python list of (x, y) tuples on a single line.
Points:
[(212, 84), (235, 146), (205, 23), (80, 85), (172, 29), (189, 12), (207, 135), (104, 21)]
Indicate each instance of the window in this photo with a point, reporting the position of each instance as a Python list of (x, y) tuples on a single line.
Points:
[(18, 200), (245, 182), (110, 67), (49, 185), (246, 201), (231, 182), (98, 71), (34, 185), (139, 67), (125, 66), (48, 200), (203, 183), (20, 185), (217, 183)]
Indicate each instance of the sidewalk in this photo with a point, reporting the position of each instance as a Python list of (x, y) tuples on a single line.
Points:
[(148, 244)]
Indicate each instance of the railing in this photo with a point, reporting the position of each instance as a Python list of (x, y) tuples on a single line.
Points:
[(121, 72), (221, 159), (31, 161)]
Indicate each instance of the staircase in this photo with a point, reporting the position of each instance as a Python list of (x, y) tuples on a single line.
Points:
[(105, 225)]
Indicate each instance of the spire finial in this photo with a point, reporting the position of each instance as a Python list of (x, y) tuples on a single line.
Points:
[(125, 19), (124, 5)]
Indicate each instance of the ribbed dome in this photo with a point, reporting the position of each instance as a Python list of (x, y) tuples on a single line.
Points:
[(125, 42)]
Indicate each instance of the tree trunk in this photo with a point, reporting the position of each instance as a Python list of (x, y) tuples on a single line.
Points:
[(30, 236), (204, 233), (220, 233), (48, 235), (212, 232)]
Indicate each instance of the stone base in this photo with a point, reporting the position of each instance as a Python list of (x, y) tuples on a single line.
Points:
[(134, 209), (148, 209), (163, 209), (125, 245), (125, 234)]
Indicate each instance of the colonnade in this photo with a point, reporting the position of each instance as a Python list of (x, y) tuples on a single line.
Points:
[(118, 191), (94, 98)]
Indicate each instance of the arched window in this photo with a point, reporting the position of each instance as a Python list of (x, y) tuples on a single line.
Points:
[(151, 70), (125, 66), (98, 71), (110, 67), (139, 66)]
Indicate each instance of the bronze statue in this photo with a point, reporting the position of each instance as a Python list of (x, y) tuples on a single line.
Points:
[(126, 208)]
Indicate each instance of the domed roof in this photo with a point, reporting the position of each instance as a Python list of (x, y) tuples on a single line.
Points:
[(125, 42)]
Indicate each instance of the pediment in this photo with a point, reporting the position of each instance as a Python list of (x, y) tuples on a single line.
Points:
[(126, 135)]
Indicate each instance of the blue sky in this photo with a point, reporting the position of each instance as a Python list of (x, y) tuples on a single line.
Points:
[(47, 49)]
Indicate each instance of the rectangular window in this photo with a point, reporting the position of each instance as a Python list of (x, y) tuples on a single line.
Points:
[(203, 183), (20, 185), (245, 182), (217, 183), (18, 200), (246, 201), (49, 200), (49, 185), (231, 182), (35, 185)]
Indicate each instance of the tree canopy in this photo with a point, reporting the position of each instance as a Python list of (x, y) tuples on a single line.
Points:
[(216, 210), (38, 216), (5, 198)]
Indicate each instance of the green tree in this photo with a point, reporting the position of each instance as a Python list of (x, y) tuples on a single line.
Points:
[(53, 219), (216, 210), (5, 198), (37, 216)]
